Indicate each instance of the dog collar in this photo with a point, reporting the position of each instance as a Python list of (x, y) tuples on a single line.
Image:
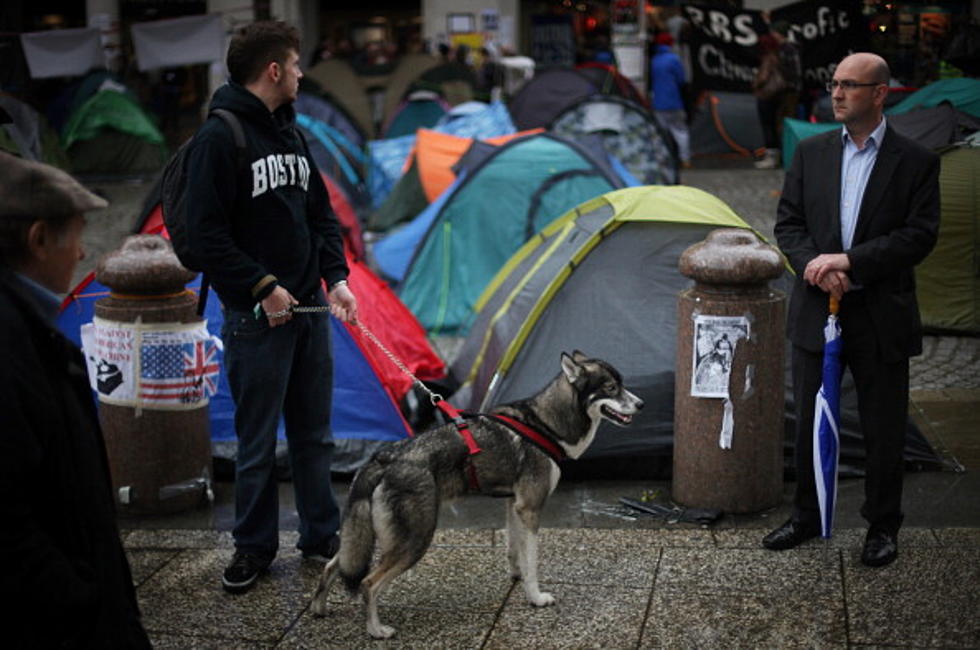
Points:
[(542, 442)]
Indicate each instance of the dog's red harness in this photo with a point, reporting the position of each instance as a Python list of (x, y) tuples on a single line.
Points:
[(463, 427), (542, 442)]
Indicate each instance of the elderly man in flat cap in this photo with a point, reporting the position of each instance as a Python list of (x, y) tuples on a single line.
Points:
[(66, 580)]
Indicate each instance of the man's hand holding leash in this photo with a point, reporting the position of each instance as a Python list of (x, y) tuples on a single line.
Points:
[(343, 304), (278, 306)]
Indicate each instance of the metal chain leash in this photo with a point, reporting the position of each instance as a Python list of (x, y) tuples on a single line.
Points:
[(435, 398)]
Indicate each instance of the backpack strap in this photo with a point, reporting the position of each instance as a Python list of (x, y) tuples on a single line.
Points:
[(237, 132), (238, 135)]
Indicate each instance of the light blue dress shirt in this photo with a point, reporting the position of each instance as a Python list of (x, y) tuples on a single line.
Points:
[(855, 170)]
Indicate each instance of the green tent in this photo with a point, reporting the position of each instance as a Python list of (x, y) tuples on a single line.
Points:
[(948, 281), (961, 92), (111, 134), (405, 201), (515, 192)]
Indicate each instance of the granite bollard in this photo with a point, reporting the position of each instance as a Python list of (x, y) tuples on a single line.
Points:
[(728, 397), (152, 354)]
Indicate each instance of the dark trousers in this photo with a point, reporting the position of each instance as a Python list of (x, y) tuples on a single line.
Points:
[(883, 393), (771, 113), (287, 371)]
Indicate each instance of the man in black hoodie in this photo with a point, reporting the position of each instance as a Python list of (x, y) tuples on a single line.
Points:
[(267, 235)]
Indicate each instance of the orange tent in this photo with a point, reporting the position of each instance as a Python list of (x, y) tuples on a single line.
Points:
[(435, 154)]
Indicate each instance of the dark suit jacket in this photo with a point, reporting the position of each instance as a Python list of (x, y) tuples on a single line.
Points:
[(896, 228), (58, 529)]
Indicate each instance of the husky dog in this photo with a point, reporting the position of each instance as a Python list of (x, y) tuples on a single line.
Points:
[(394, 499)]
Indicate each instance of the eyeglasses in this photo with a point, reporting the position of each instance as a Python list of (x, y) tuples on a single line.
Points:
[(847, 85)]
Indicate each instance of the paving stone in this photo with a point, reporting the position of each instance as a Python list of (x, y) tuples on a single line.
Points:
[(182, 642), (344, 627), (144, 563), (927, 597), (463, 537), (958, 536), (582, 617), (178, 539), (457, 577), (623, 558), (739, 598), (186, 596)]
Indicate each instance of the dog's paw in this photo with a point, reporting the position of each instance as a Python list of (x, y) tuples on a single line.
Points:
[(381, 631), (319, 606), (541, 599)]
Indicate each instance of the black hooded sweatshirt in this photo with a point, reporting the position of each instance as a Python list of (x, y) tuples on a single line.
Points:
[(266, 222)]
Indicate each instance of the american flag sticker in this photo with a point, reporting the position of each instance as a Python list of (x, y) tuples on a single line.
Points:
[(176, 371)]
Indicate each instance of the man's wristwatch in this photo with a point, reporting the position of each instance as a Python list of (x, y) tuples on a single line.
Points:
[(338, 283)]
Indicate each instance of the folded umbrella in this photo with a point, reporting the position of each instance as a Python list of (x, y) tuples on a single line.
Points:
[(826, 423)]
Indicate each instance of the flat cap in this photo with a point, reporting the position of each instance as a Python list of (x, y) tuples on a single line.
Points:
[(35, 190)]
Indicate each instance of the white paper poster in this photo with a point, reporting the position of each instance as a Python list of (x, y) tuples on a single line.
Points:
[(151, 365), (715, 338)]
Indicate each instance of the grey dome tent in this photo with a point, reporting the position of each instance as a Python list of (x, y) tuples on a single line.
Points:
[(603, 278), (549, 93), (628, 131), (726, 123)]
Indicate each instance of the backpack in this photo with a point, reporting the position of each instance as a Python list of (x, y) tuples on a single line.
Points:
[(173, 199), (173, 191)]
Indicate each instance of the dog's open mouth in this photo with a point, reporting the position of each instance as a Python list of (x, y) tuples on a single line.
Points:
[(615, 416)]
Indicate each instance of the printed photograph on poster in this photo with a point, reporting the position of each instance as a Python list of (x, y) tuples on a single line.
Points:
[(715, 338)]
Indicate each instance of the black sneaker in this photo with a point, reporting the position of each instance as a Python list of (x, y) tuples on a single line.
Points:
[(240, 575), (326, 551)]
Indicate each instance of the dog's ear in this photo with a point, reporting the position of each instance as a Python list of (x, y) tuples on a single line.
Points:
[(579, 356), (569, 366)]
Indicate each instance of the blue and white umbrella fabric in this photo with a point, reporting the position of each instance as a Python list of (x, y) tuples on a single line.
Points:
[(826, 423)]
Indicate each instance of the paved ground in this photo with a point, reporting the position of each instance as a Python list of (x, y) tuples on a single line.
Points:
[(622, 580)]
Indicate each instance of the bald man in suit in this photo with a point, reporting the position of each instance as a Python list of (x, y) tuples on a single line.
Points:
[(859, 209)]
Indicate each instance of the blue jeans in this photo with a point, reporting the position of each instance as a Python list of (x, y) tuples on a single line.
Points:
[(284, 370)]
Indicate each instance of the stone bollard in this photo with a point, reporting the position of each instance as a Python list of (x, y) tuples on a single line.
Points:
[(728, 395), (154, 364)]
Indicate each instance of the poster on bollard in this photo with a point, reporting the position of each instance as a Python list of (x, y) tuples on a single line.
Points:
[(151, 365), (715, 338)]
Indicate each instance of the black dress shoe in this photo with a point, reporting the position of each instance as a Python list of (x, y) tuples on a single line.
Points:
[(789, 535), (880, 548)]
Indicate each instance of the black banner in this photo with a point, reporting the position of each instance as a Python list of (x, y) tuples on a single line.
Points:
[(723, 45), (826, 32), (724, 42)]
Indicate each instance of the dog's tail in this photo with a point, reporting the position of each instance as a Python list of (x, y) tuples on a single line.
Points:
[(357, 533)]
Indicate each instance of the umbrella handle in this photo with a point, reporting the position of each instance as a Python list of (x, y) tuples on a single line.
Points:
[(834, 306)]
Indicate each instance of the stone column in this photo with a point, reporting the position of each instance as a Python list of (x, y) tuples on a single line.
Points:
[(159, 456), (728, 451)]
